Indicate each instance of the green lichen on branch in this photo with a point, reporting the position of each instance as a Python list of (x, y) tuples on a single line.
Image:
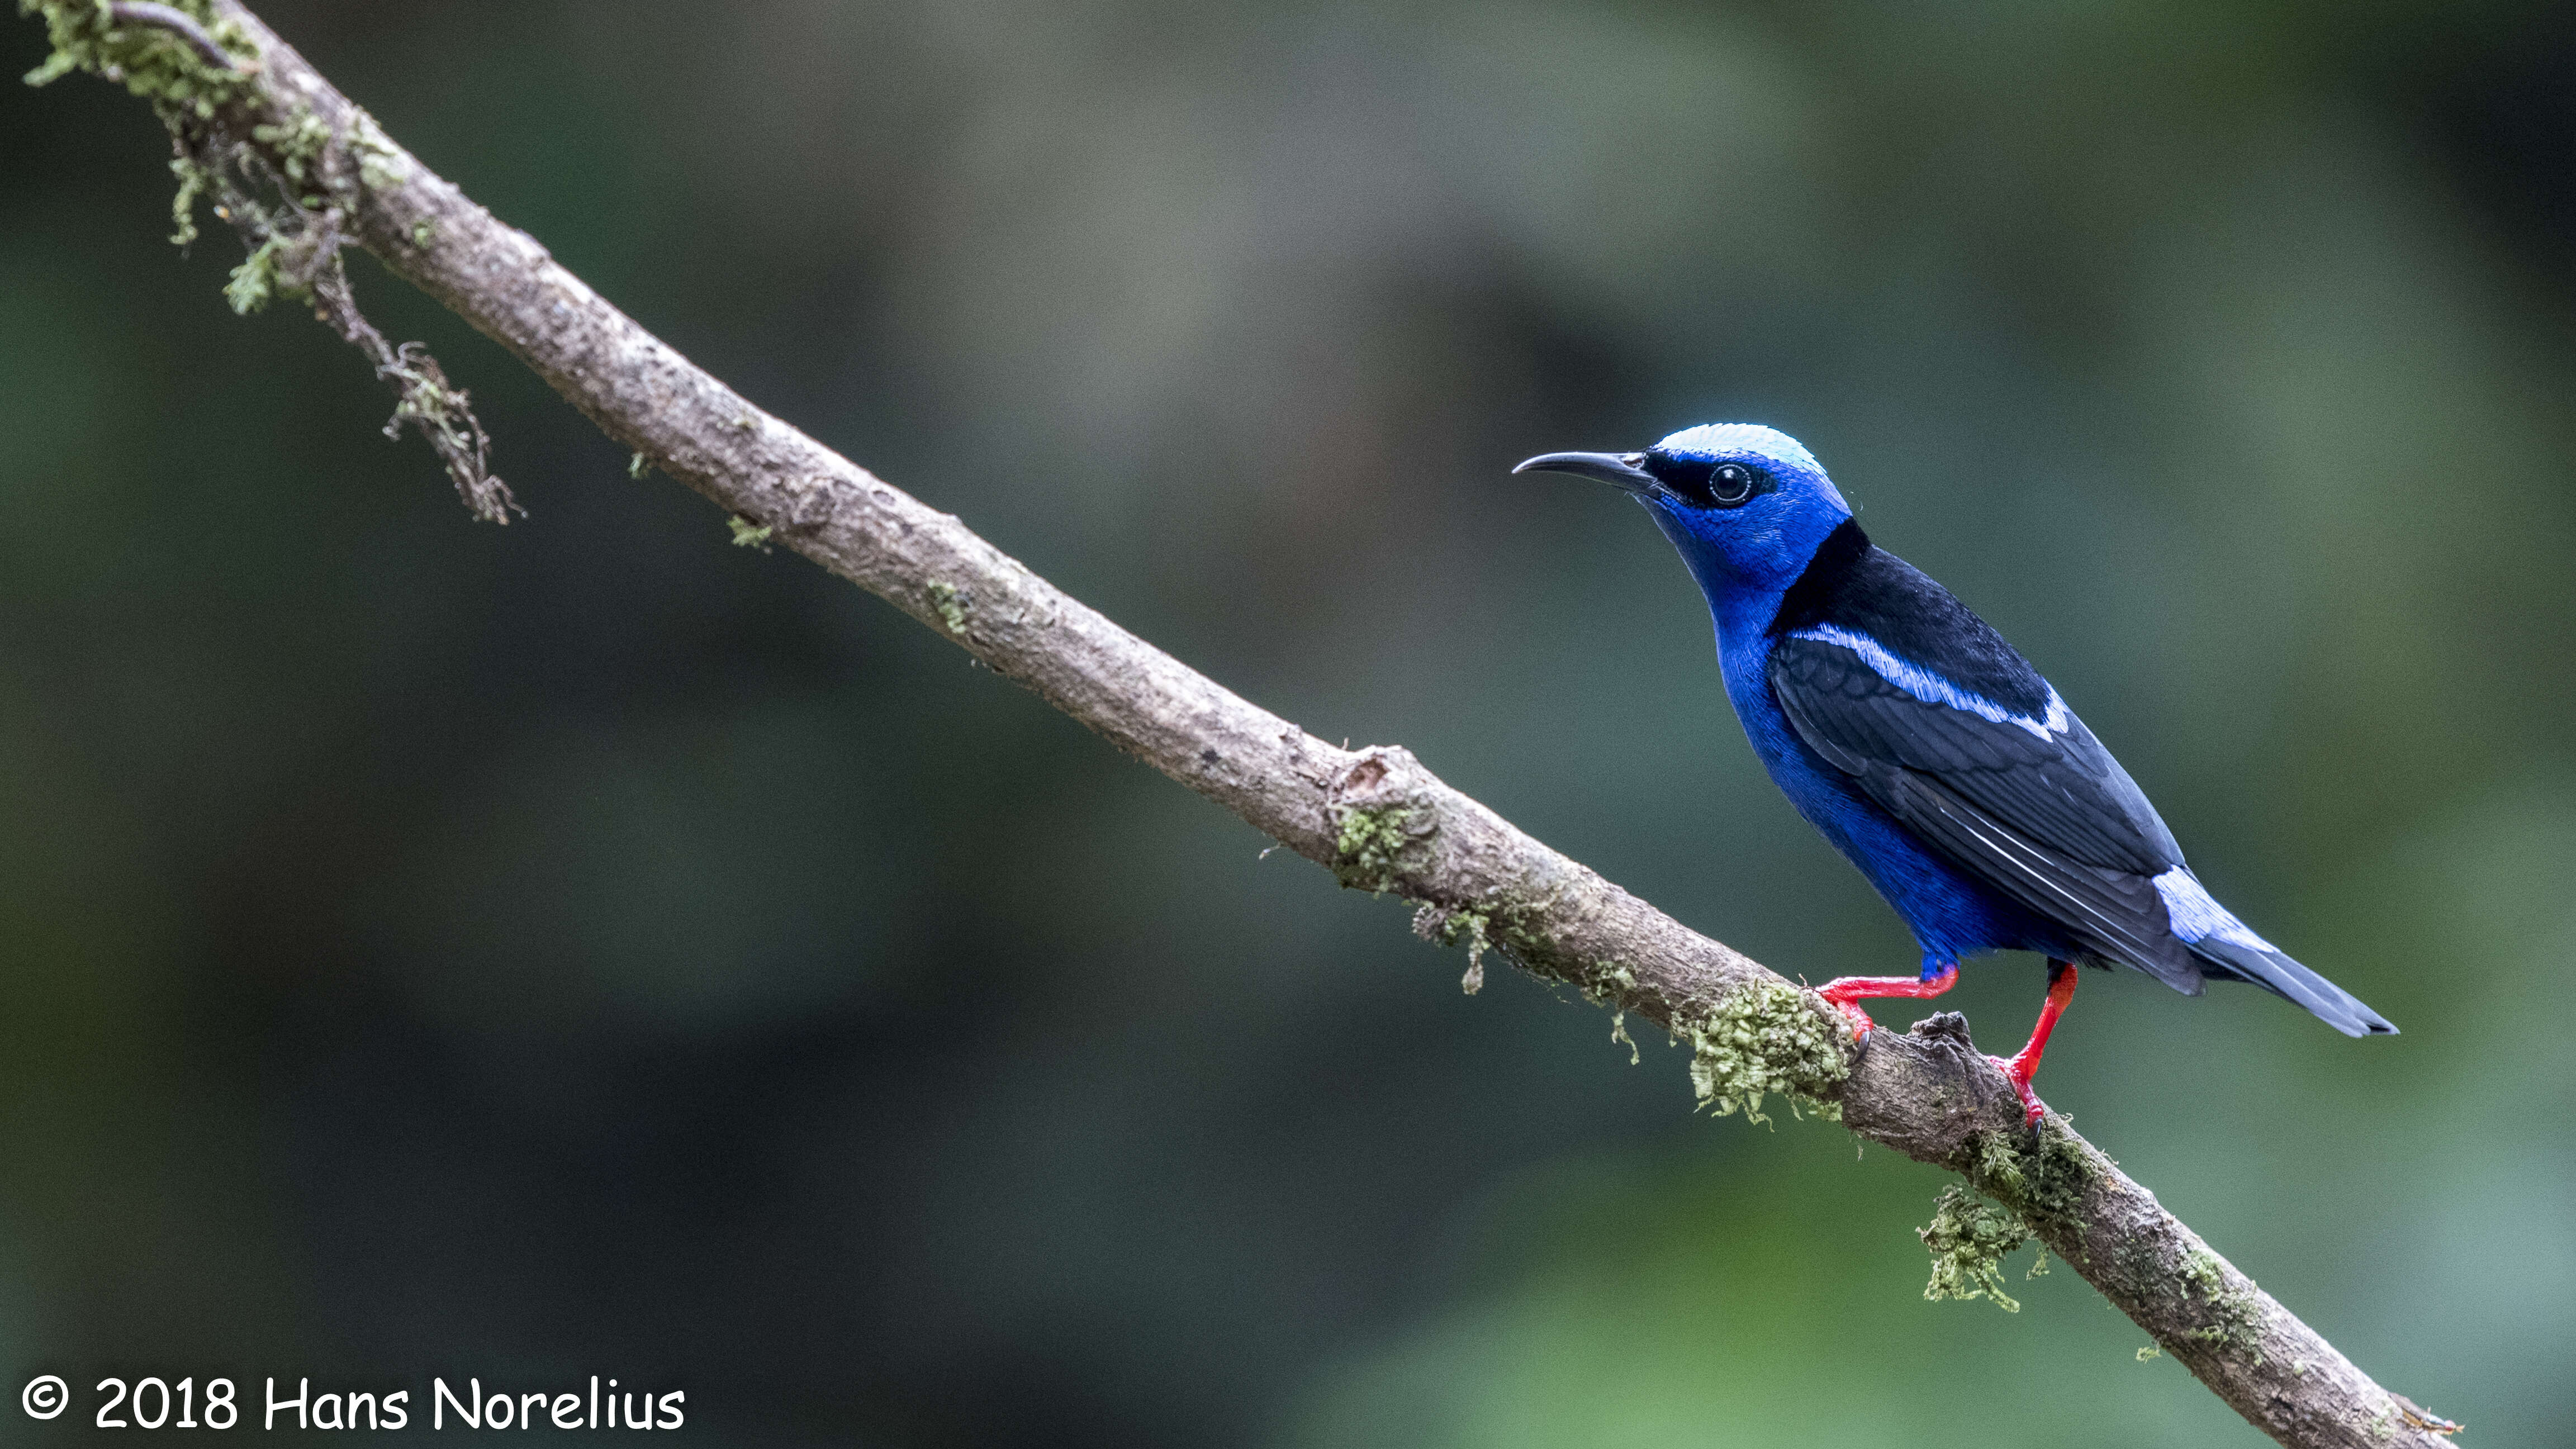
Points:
[(1468, 929), (262, 278), (382, 166), (2043, 1180), (280, 174), (1371, 841), (295, 146), (269, 174), (2233, 1318), (950, 605), (746, 534), (1968, 1238), (156, 64), (193, 182), (1610, 986), (1762, 1040), (1368, 843)]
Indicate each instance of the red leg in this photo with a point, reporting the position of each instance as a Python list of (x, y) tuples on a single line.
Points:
[(1843, 991), (2025, 1063)]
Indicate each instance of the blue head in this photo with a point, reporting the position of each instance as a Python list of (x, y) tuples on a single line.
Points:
[(1746, 505)]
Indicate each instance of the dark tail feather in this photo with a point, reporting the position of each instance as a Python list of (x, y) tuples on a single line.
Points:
[(2291, 981)]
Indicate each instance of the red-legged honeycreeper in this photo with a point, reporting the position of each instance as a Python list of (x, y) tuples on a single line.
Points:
[(1929, 751)]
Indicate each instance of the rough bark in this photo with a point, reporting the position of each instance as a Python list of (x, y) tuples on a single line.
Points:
[(1374, 816)]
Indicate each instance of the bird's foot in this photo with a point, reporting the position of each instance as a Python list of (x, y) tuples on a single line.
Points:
[(2022, 1065), (2018, 1069), (1845, 993), (1861, 1025)]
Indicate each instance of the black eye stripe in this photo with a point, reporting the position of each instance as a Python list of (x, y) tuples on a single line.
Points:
[(1704, 482)]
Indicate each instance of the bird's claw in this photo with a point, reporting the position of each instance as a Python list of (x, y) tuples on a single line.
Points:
[(1861, 1025), (2018, 1073)]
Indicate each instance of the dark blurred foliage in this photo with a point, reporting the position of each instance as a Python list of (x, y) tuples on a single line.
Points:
[(589, 948)]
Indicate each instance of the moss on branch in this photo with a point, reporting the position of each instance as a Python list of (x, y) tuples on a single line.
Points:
[(1968, 1238), (284, 178), (1765, 1039), (157, 64)]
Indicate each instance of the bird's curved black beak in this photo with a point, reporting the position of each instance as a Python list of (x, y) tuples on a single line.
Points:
[(1619, 470)]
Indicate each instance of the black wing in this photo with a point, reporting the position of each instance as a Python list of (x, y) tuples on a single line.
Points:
[(2045, 816)]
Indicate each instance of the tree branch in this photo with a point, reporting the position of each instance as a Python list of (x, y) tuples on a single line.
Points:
[(1375, 817)]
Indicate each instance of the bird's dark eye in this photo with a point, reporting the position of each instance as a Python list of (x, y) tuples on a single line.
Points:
[(1703, 484)]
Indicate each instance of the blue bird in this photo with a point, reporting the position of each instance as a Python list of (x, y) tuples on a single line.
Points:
[(1927, 750)]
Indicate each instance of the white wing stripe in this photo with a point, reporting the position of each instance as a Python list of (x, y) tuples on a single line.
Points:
[(1931, 688)]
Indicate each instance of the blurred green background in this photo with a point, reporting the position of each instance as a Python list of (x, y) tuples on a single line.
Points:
[(586, 948)]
